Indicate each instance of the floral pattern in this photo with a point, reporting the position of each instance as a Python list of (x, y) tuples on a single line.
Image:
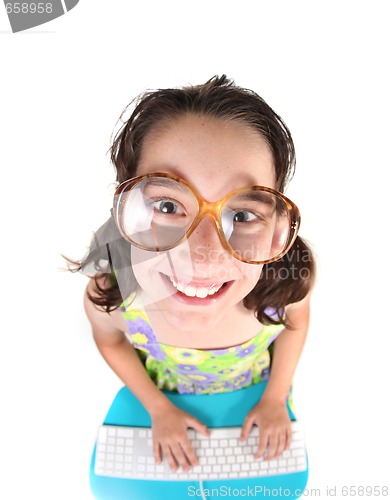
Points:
[(194, 371)]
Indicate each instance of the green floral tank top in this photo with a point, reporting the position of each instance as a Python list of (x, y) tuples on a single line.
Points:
[(195, 371)]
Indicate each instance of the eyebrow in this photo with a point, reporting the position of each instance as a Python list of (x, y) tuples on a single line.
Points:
[(258, 195), (163, 182)]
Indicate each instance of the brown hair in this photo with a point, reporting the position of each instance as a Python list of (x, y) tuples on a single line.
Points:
[(283, 282)]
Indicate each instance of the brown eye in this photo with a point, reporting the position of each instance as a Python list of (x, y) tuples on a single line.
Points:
[(166, 206), (244, 216)]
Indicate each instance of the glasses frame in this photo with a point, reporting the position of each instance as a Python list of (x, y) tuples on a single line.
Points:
[(211, 209)]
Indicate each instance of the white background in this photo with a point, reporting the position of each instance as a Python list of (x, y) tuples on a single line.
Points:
[(323, 66)]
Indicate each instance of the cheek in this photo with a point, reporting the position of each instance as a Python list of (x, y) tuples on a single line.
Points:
[(146, 266), (142, 263), (251, 273)]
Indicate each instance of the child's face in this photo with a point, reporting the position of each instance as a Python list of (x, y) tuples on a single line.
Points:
[(216, 157)]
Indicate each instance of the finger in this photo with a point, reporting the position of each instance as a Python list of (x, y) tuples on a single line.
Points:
[(198, 426), (273, 443), (189, 453), (157, 452), (170, 458), (289, 437), (246, 428), (281, 444), (263, 443), (180, 457)]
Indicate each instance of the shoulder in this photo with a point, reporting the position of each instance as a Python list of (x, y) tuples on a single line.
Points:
[(98, 317), (298, 313)]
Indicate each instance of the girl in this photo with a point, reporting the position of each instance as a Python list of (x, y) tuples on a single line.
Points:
[(199, 271)]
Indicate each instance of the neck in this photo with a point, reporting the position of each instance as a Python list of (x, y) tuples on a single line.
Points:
[(203, 331)]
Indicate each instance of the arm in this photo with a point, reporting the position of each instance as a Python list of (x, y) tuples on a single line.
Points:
[(122, 357), (271, 414), (287, 350), (169, 423)]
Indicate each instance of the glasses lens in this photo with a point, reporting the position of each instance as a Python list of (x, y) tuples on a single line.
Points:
[(256, 224), (157, 212)]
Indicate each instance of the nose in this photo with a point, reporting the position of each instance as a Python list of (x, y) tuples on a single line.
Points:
[(205, 242), (202, 256)]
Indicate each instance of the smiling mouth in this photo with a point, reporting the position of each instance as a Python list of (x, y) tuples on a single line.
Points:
[(200, 292)]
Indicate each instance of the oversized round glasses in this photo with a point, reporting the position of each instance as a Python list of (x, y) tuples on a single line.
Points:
[(158, 211)]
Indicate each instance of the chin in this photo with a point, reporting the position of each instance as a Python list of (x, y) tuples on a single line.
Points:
[(195, 321)]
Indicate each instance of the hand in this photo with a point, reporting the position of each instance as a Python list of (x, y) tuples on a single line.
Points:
[(274, 427), (170, 438)]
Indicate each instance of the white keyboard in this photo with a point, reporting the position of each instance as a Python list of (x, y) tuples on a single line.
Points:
[(127, 452)]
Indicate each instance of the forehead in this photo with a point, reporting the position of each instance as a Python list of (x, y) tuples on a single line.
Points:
[(216, 156)]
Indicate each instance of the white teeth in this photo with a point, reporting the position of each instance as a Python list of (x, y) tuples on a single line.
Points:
[(202, 292), (192, 291)]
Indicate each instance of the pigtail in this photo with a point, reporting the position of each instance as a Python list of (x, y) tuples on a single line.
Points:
[(283, 282), (108, 257)]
